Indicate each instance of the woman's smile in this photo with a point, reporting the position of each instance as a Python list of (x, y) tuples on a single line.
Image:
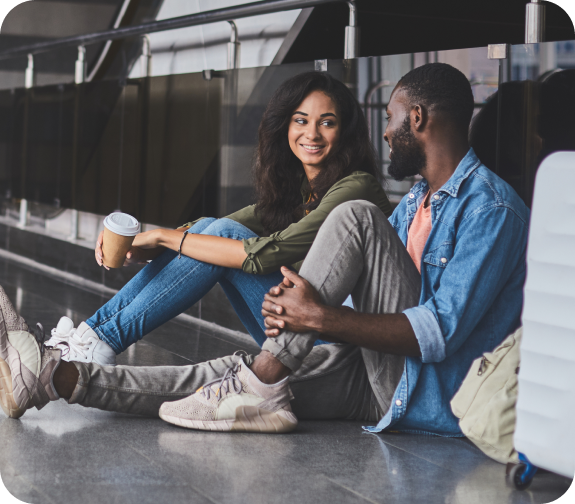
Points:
[(312, 149)]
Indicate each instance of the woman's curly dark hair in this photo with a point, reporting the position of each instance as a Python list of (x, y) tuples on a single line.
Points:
[(278, 172)]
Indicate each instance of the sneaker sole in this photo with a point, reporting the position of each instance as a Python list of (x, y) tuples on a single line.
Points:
[(248, 419), (7, 401)]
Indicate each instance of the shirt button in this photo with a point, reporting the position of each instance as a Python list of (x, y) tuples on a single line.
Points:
[(398, 402), (411, 196), (436, 197), (443, 260)]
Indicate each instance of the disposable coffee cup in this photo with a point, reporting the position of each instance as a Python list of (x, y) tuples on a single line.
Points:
[(120, 230)]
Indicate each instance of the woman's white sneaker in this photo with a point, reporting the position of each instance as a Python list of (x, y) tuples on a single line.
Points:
[(84, 345), (61, 333)]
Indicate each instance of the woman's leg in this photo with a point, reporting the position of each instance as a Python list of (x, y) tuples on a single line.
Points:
[(177, 286), (246, 293), (131, 290)]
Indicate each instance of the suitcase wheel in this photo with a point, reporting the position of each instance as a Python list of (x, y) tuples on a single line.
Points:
[(521, 475)]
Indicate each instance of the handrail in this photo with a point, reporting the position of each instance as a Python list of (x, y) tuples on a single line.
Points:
[(207, 17)]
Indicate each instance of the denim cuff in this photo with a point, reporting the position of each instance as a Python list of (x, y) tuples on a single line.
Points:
[(281, 354), (427, 332)]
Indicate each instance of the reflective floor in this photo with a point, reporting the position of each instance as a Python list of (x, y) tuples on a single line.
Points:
[(72, 454)]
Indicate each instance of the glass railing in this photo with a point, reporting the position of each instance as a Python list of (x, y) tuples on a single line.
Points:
[(172, 148)]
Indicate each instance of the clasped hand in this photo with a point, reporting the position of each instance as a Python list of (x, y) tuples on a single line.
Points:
[(293, 305)]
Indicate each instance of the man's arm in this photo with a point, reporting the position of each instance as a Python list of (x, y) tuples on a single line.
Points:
[(300, 309)]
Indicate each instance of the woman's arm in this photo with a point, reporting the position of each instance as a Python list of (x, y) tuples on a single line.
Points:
[(265, 255), (210, 249)]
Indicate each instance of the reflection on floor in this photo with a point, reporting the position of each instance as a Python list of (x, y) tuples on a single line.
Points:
[(72, 454)]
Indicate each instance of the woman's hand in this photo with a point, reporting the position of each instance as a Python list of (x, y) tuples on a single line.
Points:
[(148, 239), (98, 250), (136, 255)]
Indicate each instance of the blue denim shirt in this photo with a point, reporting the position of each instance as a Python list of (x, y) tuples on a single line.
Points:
[(472, 276)]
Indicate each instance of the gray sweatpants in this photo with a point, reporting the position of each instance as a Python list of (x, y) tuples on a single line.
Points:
[(356, 251)]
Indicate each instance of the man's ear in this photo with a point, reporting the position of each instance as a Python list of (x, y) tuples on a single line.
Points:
[(419, 117)]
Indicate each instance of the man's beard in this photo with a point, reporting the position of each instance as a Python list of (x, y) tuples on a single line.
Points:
[(408, 157)]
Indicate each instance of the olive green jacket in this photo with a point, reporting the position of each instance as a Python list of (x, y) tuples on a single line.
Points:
[(290, 246)]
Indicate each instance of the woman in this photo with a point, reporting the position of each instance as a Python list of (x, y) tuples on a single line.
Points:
[(313, 154)]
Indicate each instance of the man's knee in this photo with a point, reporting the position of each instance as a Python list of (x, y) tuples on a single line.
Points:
[(356, 213)]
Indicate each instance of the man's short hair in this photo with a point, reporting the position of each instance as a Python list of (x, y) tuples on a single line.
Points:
[(440, 87)]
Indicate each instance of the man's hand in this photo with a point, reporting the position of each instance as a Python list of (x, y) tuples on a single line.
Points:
[(293, 305)]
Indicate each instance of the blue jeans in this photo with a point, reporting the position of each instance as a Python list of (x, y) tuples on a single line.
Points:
[(168, 286)]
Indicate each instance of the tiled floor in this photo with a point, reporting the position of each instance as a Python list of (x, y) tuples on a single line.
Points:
[(72, 454)]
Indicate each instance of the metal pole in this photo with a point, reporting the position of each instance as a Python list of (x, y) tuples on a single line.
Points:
[(74, 221), (234, 48), (147, 56), (534, 22), (80, 74), (23, 222), (29, 84), (29, 75), (351, 49)]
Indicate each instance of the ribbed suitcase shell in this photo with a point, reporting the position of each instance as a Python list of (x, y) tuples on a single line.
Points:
[(545, 430)]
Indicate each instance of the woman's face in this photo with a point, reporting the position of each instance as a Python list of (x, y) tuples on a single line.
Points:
[(314, 131)]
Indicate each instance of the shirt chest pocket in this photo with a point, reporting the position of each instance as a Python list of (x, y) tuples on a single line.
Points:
[(440, 256)]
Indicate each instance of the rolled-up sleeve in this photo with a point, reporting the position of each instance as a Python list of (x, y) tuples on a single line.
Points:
[(427, 332), (290, 246)]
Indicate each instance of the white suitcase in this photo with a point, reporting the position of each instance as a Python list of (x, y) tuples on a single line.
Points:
[(545, 430)]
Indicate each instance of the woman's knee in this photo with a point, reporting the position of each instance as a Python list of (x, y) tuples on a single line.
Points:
[(202, 224), (228, 228)]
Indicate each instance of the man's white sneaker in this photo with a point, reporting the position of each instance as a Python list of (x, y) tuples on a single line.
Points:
[(238, 401), (84, 345), (61, 333)]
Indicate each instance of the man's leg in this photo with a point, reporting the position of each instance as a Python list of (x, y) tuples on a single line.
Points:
[(137, 390), (357, 251), (343, 392)]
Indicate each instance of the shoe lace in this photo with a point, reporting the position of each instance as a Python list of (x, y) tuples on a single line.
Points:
[(55, 338), (79, 348), (230, 381)]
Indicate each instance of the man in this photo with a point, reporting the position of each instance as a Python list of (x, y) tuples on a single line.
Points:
[(433, 288)]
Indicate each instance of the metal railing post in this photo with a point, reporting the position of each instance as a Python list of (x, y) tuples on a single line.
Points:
[(147, 57), (80, 74), (234, 48), (23, 220), (29, 75), (28, 84), (79, 78), (534, 22), (74, 221), (351, 49)]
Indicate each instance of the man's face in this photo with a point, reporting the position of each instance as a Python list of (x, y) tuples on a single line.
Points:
[(406, 153)]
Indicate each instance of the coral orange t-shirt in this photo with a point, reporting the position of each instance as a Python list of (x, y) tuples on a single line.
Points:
[(419, 232)]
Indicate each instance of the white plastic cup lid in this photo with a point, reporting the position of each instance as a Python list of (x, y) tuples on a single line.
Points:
[(122, 224)]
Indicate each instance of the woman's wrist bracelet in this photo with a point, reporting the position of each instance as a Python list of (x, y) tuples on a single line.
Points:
[(182, 242)]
